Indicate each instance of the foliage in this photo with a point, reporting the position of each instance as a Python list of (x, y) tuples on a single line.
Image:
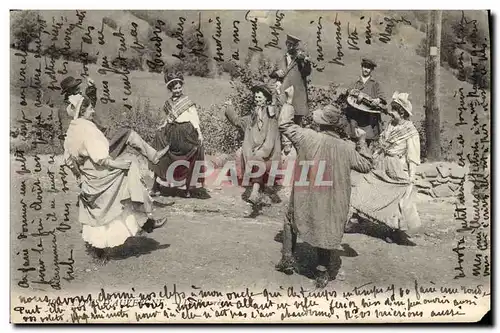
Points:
[(37, 135), (195, 59), (71, 55), (218, 134), (454, 47), (142, 118), (24, 28), (110, 22), (132, 64), (221, 136), (448, 148), (230, 67)]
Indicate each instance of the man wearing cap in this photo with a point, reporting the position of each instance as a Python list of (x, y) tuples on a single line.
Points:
[(295, 68), (319, 205), (368, 122)]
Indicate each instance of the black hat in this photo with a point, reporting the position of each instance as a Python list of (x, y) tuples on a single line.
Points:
[(368, 63), (264, 89), (68, 84)]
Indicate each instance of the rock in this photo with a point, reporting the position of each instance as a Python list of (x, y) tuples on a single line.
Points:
[(431, 173), (442, 180), (453, 187), (444, 170), (438, 181), (442, 191), (457, 171), (428, 170), (457, 181), (426, 191), (422, 183)]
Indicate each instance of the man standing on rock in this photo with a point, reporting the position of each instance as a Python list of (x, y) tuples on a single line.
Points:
[(319, 206), (295, 68)]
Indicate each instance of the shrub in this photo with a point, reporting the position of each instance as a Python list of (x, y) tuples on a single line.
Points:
[(231, 68), (24, 28), (196, 60), (110, 22), (43, 137), (132, 64), (219, 135), (142, 118)]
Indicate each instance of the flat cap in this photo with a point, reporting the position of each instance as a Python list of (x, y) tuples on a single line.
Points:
[(368, 62), (292, 38)]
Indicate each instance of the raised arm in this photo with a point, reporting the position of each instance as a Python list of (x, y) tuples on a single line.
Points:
[(293, 132), (361, 161), (288, 128), (233, 117)]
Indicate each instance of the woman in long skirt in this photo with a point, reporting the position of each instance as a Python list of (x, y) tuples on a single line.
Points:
[(181, 132), (114, 204), (386, 195)]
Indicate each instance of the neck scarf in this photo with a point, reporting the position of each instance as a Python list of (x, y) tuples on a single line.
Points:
[(175, 109), (394, 136)]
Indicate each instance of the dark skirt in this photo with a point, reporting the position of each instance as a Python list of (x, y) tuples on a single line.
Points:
[(118, 141), (184, 145), (369, 122)]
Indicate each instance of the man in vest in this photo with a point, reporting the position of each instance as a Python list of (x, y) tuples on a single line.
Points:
[(366, 84)]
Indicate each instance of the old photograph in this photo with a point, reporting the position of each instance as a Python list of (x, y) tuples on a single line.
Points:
[(250, 166)]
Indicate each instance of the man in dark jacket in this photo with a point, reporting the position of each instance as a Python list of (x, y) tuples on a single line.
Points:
[(295, 68)]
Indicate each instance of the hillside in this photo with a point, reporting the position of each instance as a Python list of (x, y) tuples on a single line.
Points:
[(399, 66)]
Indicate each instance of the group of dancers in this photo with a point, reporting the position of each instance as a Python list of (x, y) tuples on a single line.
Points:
[(371, 169)]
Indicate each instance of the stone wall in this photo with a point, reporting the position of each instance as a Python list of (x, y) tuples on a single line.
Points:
[(440, 179)]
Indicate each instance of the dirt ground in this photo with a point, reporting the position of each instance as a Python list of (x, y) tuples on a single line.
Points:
[(213, 243)]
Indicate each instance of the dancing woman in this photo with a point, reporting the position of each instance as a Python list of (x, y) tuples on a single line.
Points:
[(386, 194), (113, 202), (181, 131)]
